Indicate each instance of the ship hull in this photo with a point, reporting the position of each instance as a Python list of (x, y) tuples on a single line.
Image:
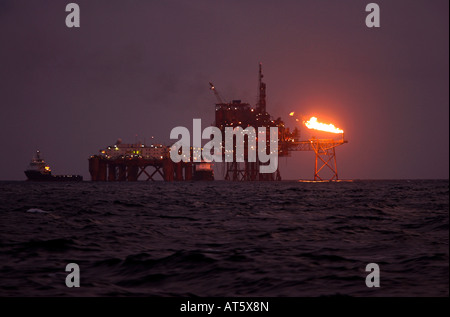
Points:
[(40, 177)]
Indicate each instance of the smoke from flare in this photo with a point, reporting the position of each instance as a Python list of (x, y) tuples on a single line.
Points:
[(314, 124)]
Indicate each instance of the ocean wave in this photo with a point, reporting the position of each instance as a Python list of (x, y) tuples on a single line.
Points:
[(225, 239), (37, 210)]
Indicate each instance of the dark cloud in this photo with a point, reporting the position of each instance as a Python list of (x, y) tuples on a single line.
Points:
[(143, 67)]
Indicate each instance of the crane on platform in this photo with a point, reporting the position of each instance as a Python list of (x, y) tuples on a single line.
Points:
[(216, 93)]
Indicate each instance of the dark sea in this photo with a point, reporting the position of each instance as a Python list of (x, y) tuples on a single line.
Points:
[(214, 239)]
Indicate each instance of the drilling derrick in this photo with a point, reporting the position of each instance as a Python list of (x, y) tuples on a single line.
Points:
[(237, 113), (261, 107)]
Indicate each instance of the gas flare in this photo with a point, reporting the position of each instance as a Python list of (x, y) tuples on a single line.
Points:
[(314, 124)]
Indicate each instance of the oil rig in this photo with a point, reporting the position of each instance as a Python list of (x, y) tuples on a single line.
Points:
[(236, 113), (127, 162)]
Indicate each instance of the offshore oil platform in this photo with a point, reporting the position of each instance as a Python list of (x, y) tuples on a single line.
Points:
[(128, 162)]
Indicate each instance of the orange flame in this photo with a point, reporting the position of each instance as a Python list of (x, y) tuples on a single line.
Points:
[(314, 124), (291, 114)]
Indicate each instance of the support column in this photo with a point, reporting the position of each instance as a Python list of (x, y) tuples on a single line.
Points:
[(132, 172), (178, 171), (102, 166), (111, 172), (188, 171), (168, 170), (122, 173), (325, 160)]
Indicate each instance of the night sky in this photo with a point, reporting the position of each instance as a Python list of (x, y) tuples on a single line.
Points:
[(137, 69)]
